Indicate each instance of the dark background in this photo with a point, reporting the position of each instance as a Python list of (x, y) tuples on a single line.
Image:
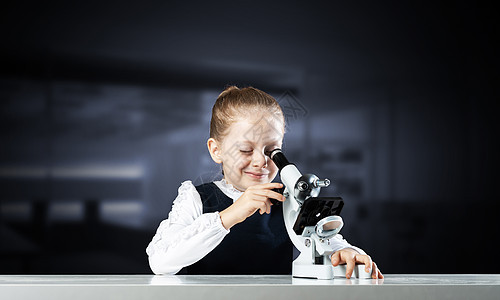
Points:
[(105, 108)]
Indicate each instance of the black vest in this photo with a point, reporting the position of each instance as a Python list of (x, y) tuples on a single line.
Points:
[(258, 245)]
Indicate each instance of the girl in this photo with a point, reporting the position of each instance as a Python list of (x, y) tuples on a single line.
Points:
[(213, 228)]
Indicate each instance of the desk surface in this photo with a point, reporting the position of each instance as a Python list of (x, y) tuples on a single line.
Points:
[(246, 287)]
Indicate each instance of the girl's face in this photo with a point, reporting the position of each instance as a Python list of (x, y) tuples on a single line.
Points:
[(244, 148)]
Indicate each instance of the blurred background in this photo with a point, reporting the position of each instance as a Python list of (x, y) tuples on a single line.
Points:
[(105, 109)]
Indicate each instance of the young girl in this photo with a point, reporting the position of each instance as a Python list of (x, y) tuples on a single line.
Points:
[(214, 228)]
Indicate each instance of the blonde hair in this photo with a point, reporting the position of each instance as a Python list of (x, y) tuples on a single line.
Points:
[(234, 102)]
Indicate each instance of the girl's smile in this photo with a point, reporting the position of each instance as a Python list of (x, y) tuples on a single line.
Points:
[(257, 175)]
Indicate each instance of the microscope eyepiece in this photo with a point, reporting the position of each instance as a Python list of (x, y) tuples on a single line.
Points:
[(279, 158)]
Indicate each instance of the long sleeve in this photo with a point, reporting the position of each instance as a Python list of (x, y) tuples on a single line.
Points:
[(338, 243), (186, 236)]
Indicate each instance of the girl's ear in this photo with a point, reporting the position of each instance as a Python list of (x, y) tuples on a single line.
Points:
[(214, 149)]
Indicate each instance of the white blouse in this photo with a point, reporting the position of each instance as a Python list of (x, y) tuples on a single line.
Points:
[(189, 234)]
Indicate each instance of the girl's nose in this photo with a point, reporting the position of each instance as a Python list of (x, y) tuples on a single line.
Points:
[(259, 160)]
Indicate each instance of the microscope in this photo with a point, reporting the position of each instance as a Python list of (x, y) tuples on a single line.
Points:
[(311, 222)]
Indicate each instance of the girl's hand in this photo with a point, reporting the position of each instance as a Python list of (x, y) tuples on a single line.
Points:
[(351, 257), (255, 198)]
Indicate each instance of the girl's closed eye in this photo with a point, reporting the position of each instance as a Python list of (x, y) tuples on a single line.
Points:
[(246, 151)]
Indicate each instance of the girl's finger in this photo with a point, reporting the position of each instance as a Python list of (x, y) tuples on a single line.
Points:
[(270, 194), (366, 260), (268, 186), (335, 259), (377, 274), (263, 207), (350, 261), (268, 206), (259, 198)]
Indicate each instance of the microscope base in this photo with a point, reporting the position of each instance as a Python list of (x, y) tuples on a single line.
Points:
[(327, 271), (312, 271)]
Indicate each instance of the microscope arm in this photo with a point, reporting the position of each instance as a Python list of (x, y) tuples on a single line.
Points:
[(289, 175), (313, 242)]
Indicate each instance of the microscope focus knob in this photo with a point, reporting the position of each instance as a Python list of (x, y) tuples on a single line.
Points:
[(322, 183), (306, 187), (302, 186)]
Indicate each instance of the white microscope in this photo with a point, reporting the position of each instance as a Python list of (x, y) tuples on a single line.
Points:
[(311, 222)]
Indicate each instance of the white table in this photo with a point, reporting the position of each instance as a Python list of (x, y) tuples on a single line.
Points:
[(405, 287)]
